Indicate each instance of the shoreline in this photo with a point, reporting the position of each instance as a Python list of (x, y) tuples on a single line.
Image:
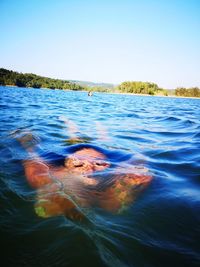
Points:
[(167, 96), (115, 93)]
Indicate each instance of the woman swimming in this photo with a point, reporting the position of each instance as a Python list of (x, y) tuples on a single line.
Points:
[(69, 187)]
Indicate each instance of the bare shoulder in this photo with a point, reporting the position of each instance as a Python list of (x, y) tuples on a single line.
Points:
[(37, 173), (134, 174)]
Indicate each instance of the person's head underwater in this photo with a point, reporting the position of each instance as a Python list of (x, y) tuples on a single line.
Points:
[(86, 160)]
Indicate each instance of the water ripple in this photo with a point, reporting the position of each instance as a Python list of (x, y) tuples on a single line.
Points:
[(160, 228)]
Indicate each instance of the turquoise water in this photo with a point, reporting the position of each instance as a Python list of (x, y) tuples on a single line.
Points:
[(161, 227)]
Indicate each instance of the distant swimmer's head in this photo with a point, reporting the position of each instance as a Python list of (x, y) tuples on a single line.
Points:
[(86, 160)]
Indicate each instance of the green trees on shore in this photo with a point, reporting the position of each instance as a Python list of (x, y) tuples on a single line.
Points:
[(8, 77), (187, 92), (141, 88), (153, 89)]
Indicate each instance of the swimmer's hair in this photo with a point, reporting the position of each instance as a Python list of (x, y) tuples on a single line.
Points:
[(74, 148), (58, 159), (54, 158), (114, 156)]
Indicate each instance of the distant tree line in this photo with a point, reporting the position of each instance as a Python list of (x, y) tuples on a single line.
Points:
[(141, 88), (8, 77), (188, 92)]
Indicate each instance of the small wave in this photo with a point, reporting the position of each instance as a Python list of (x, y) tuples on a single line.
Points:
[(153, 230), (168, 119), (171, 134), (196, 136), (138, 139)]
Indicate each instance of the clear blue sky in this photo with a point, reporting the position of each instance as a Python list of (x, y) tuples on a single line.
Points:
[(103, 41)]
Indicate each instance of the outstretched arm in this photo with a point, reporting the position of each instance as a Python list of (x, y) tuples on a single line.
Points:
[(36, 170), (125, 188), (76, 137), (72, 130)]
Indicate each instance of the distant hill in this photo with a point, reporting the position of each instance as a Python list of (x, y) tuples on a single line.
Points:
[(93, 84), (9, 77)]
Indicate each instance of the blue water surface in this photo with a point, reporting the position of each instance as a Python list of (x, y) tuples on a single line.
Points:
[(162, 226)]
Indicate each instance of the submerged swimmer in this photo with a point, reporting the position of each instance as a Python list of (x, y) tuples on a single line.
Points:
[(66, 189)]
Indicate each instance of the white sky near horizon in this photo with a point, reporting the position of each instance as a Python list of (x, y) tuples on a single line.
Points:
[(103, 41)]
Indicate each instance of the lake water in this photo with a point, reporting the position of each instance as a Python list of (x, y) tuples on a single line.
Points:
[(162, 226)]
